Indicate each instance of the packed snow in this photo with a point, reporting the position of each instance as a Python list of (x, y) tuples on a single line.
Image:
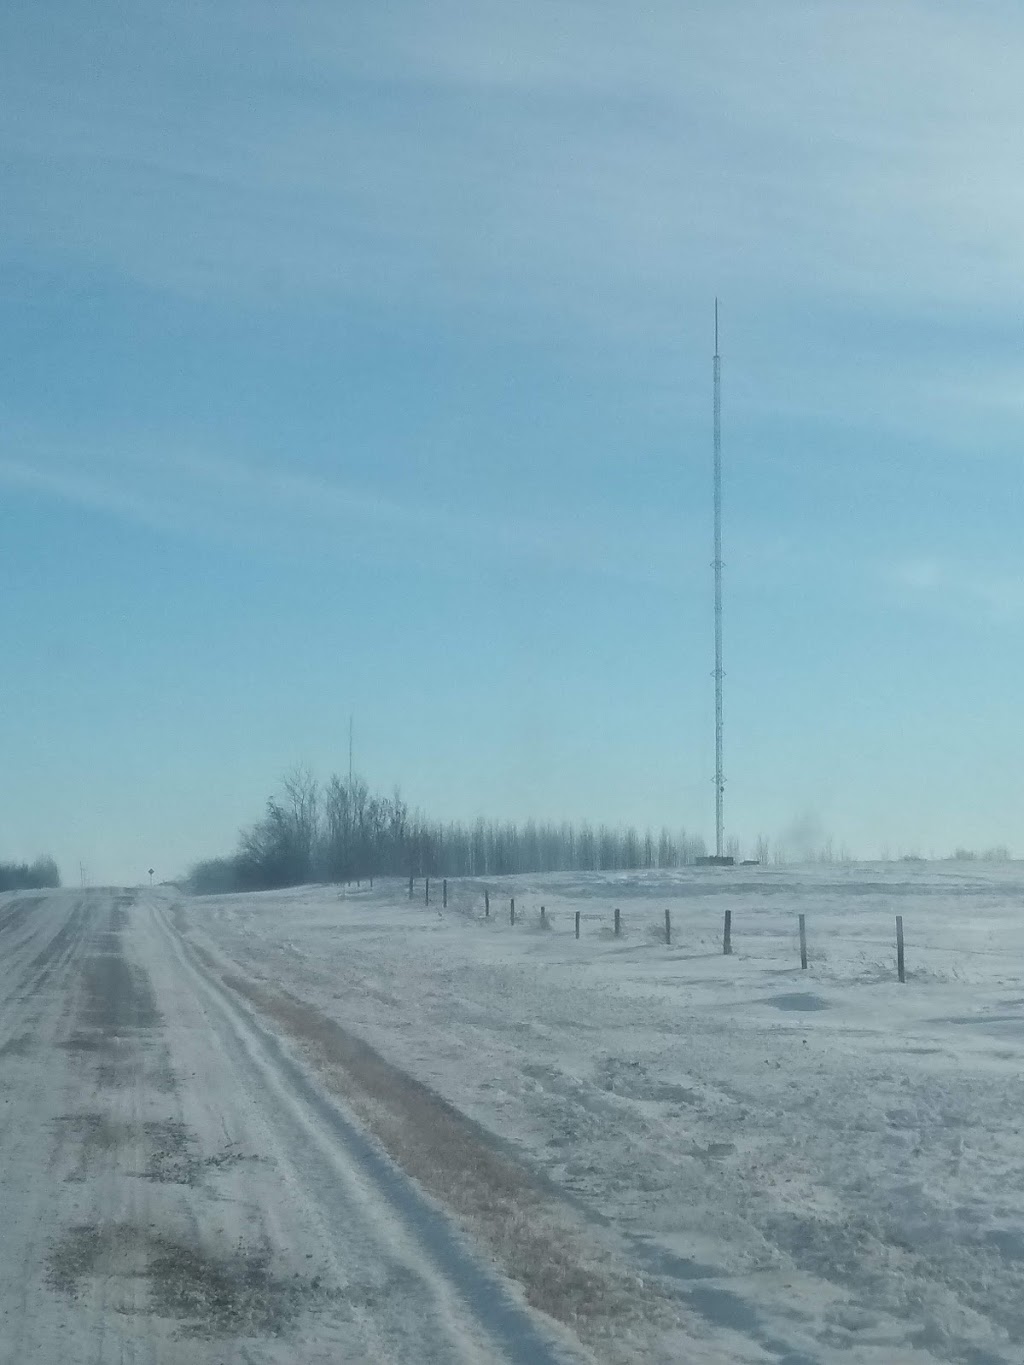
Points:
[(177, 1189)]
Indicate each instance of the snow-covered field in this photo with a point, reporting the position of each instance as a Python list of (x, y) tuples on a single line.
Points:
[(803, 1166)]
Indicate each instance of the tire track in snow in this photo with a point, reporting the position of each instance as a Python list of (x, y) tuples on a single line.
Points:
[(344, 1156)]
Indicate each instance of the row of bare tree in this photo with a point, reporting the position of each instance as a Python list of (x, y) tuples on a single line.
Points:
[(29, 876), (339, 831)]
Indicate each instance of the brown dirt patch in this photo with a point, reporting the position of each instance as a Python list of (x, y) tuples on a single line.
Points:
[(535, 1238), (213, 1295)]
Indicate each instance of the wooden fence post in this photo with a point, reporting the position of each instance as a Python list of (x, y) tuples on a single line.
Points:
[(487, 905), (668, 927), (577, 924), (803, 943), (618, 924), (426, 893), (410, 888), (444, 893), (543, 918), (727, 935), (512, 911), (901, 964)]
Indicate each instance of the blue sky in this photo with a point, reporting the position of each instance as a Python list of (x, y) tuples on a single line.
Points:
[(356, 359)]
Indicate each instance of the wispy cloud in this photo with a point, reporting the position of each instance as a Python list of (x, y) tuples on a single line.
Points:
[(995, 594), (519, 155), (93, 492), (260, 507)]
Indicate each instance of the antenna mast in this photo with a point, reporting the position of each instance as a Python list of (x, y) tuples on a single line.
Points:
[(719, 672)]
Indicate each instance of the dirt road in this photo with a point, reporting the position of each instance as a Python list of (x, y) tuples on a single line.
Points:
[(177, 1186)]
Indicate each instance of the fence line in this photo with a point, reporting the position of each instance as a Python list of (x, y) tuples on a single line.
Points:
[(750, 936), (618, 922)]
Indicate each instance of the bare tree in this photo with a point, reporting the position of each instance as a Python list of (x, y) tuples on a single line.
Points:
[(343, 832)]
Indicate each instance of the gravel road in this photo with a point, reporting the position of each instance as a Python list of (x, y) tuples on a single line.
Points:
[(177, 1185)]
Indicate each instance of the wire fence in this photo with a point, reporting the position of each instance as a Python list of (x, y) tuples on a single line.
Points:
[(866, 941)]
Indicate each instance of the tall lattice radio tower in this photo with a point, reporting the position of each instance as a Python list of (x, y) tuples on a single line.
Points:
[(719, 672)]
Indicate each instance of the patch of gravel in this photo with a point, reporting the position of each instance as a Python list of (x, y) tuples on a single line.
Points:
[(236, 1295), (95, 1130), (118, 996), (82, 1041), (173, 1160), (227, 1295)]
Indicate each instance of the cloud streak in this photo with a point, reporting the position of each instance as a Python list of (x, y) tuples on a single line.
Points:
[(973, 591), (524, 159), (259, 507)]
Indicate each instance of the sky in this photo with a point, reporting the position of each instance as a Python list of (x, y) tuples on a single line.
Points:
[(355, 360)]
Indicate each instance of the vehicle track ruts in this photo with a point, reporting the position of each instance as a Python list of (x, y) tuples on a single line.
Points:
[(179, 1191)]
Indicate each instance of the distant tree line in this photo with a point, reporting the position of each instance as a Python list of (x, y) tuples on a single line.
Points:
[(998, 854), (29, 876), (339, 832)]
